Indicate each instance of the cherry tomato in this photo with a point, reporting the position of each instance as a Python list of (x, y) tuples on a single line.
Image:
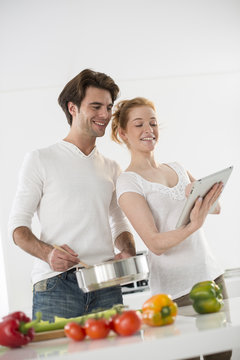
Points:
[(97, 328), (127, 323), (74, 331), (111, 321)]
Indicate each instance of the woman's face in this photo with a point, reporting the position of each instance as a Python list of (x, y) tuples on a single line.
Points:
[(141, 133)]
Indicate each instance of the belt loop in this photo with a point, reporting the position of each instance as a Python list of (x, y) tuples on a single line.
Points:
[(71, 270), (63, 275)]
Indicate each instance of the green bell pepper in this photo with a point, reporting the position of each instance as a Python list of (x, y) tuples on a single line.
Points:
[(207, 297)]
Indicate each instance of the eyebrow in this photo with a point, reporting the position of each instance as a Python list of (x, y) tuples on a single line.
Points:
[(99, 103), (151, 118)]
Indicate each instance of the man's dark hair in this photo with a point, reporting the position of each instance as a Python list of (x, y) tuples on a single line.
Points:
[(75, 89)]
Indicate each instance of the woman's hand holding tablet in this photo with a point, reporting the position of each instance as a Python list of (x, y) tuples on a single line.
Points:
[(200, 188)]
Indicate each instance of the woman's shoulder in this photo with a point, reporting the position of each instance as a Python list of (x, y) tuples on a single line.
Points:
[(128, 176), (128, 181)]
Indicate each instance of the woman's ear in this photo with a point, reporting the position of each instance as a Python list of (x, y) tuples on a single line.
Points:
[(122, 134), (72, 108)]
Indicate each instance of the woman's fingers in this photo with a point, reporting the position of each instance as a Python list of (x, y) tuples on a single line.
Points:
[(198, 204), (218, 192), (196, 209), (202, 205), (213, 194)]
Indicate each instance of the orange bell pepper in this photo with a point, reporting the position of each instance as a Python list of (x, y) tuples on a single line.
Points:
[(159, 310)]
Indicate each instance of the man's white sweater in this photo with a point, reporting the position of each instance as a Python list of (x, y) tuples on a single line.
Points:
[(75, 200)]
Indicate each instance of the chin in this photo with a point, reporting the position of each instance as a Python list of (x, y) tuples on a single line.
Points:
[(149, 147), (99, 133)]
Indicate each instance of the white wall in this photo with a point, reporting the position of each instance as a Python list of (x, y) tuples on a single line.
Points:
[(183, 55)]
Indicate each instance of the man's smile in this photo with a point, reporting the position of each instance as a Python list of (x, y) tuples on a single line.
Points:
[(99, 123)]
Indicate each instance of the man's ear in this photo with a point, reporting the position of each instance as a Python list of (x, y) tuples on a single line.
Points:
[(72, 108), (122, 134)]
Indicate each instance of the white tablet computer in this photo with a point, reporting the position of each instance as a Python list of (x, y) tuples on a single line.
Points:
[(200, 188)]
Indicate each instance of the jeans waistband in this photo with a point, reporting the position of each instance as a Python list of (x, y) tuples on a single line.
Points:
[(71, 270)]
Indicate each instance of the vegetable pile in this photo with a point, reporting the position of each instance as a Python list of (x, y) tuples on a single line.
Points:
[(16, 329), (124, 324)]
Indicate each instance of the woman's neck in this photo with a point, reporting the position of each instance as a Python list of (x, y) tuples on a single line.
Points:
[(142, 162)]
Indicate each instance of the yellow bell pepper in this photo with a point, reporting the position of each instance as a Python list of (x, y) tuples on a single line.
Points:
[(159, 310)]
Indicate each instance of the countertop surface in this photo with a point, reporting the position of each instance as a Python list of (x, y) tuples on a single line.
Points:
[(189, 336)]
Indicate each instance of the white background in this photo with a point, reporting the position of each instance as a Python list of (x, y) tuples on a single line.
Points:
[(182, 54)]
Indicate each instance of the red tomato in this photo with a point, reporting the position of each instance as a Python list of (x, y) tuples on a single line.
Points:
[(74, 331), (127, 323), (111, 321), (97, 328)]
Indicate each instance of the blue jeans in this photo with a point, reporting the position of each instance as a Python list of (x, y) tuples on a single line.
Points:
[(61, 296)]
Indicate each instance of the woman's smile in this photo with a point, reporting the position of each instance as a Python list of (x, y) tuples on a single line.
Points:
[(142, 128)]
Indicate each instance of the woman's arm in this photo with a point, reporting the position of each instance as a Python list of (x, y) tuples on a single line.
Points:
[(140, 216)]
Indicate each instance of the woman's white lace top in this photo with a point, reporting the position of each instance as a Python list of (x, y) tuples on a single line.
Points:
[(191, 261)]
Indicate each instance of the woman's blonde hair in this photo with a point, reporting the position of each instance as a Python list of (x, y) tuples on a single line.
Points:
[(120, 115)]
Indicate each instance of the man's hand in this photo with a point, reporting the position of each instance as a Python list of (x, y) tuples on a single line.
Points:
[(59, 260), (62, 258), (126, 245), (124, 255)]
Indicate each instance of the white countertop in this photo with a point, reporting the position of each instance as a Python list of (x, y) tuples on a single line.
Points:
[(190, 335)]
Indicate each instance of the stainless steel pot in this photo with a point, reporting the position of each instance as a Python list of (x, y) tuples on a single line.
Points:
[(113, 272)]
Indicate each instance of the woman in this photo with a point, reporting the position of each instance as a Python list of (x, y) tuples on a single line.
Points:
[(152, 196)]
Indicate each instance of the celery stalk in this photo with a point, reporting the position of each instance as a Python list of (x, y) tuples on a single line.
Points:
[(59, 323)]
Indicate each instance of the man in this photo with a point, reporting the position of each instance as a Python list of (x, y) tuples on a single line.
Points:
[(72, 188)]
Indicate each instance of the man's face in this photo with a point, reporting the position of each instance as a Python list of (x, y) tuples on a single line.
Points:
[(95, 112)]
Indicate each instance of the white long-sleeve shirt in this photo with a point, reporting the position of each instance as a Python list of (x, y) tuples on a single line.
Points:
[(75, 200)]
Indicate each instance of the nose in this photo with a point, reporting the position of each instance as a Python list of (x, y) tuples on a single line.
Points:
[(104, 113), (148, 128)]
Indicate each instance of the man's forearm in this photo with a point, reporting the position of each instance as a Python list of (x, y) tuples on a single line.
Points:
[(58, 259), (27, 241), (125, 243)]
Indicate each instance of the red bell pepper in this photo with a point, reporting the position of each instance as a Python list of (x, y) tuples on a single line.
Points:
[(17, 329)]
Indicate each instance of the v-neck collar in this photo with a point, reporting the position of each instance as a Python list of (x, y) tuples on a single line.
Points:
[(75, 149)]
